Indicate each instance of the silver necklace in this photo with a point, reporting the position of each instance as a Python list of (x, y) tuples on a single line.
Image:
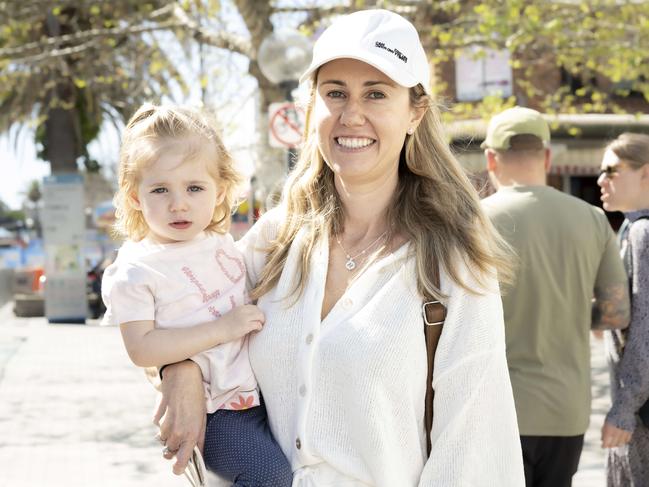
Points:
[(350, 264)]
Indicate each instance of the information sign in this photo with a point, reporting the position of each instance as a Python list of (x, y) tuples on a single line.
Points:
[(63, 221)]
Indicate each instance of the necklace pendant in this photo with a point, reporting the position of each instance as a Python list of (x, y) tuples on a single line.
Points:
[(350, 265)]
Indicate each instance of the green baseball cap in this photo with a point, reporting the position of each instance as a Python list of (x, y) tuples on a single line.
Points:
[(512, 122)]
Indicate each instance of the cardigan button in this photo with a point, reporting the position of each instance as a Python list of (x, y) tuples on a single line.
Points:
[(302, 390), (298, 443), (309, 338)]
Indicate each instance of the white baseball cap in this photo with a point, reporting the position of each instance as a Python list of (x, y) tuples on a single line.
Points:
[(380, 38)]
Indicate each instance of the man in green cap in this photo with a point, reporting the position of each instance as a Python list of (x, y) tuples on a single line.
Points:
[(567, 256)]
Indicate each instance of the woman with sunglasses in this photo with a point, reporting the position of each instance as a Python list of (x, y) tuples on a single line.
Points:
[(624, 179)]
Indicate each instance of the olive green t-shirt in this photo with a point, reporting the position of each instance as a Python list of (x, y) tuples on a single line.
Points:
[(566, 248)]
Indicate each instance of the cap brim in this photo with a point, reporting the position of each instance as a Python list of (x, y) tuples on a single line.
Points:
[(400, 77)]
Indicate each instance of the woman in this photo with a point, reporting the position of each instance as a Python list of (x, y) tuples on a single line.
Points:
[(624, 179), (341, 269)]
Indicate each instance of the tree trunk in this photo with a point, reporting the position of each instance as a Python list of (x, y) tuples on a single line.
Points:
[(62, 140), (62, 144), (272, 165)]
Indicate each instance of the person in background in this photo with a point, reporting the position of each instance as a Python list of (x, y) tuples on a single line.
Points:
[(624, 180), (342, 268), (567, 256), (177, 288)]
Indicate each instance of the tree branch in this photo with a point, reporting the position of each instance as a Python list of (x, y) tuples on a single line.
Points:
[(224, 40), (53, 42), (48, 48)]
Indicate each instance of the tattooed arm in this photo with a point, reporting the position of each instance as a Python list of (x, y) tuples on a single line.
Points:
[(611, 307)]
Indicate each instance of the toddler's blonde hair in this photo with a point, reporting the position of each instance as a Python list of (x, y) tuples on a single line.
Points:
[(151, 131)]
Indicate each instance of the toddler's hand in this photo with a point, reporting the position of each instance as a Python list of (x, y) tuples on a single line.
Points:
[(241, 321)]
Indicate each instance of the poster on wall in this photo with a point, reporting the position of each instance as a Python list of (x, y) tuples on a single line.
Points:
[(63, 222), (482, 72)]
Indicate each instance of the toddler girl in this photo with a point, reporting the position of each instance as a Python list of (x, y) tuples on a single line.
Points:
[(178, 286)]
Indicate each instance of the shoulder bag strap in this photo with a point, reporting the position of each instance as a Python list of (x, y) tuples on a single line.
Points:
[(434, 314)]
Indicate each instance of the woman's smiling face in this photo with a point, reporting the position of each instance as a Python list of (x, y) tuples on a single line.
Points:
[(361, 118)]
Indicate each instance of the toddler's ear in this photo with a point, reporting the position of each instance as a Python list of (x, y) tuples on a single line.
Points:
[(220, 195), (135, 201)]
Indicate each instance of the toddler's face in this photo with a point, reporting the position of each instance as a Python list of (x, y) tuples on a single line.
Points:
[(177, 198)]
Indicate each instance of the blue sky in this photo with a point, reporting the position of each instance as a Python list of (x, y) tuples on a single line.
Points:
[(19, 167)]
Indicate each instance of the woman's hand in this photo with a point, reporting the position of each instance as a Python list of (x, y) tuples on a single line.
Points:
[(613, 437), (181, 412)]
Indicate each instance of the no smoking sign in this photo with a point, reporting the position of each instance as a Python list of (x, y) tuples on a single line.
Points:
[(286, 124)]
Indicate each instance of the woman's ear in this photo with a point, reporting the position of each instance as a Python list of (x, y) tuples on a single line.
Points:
[(417, 114)]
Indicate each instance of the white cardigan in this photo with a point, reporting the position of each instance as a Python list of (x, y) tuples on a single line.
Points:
[(348, 392)]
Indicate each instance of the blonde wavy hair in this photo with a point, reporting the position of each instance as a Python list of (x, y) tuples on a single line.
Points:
[(151, 131), (435, 207)]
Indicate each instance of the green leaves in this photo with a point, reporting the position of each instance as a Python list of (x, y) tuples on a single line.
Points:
[(88, 58), (598, 43)]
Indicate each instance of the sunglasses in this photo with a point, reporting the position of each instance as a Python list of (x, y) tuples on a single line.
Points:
[(609, 171)]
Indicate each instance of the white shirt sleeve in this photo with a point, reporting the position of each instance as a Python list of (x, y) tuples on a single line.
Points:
[(475, 439), (128, 294)]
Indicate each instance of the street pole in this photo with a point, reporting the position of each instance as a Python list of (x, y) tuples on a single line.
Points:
[(288, 86)]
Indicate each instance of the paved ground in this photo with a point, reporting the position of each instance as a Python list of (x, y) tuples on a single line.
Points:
[(74, 412), (591, 466)]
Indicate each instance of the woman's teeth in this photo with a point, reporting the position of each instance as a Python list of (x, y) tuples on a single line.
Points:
[(354, 142)]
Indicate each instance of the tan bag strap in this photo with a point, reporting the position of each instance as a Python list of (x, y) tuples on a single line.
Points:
[(434, 314)]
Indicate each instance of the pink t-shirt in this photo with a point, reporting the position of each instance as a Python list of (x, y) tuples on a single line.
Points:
[(180, 285)]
